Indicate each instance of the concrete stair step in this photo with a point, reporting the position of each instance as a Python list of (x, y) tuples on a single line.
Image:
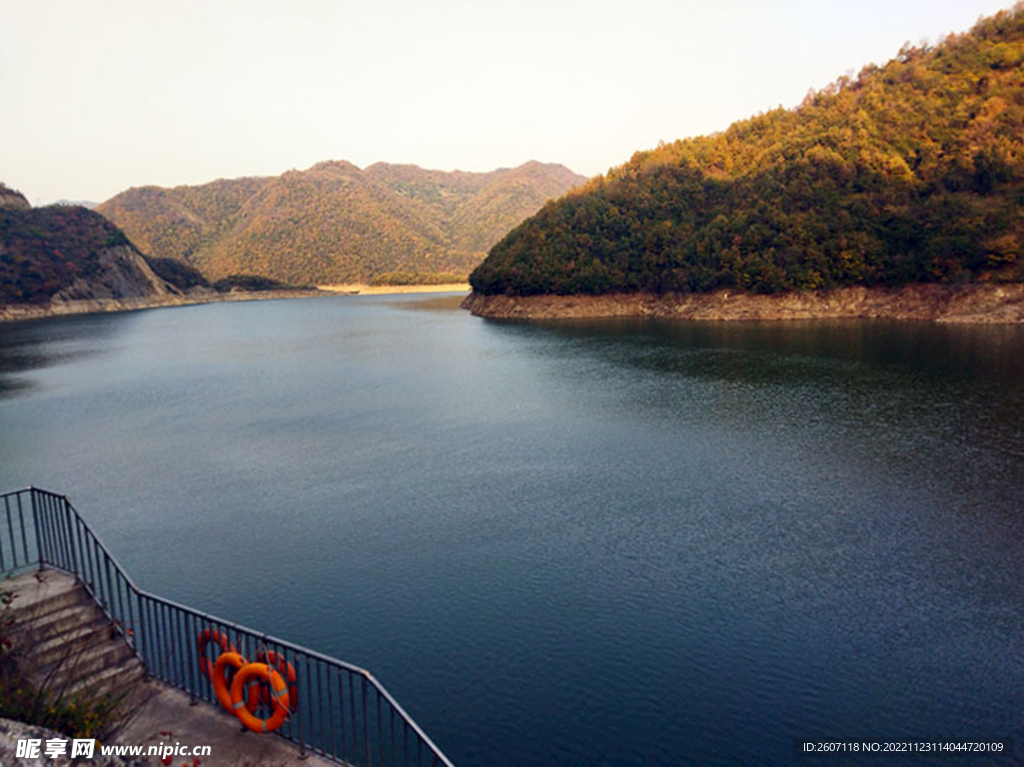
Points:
[(36, 595), (87, 661), (47, 651), (116, 680), (63, 619), (69, 645)]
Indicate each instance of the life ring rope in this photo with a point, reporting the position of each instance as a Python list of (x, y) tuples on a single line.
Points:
[(279, 663)]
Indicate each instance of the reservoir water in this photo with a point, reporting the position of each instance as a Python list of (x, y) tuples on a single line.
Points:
[(620, 542)]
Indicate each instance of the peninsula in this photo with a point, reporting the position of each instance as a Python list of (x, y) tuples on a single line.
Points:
[(896, 193)]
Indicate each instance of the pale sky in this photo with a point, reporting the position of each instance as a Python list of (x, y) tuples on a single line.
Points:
[(99, 96)]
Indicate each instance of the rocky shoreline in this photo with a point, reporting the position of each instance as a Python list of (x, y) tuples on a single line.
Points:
[(59, 307), (975, 303)]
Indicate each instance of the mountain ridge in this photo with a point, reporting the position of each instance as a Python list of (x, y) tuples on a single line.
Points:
[(337, 223)]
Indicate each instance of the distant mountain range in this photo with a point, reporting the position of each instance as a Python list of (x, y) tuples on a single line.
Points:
[(336, 223)]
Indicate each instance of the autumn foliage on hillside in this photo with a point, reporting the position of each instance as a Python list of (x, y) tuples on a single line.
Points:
[(45, 250), (336, 223), (910, 172)]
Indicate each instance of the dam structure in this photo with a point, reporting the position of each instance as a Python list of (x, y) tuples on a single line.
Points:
[(91, 630)]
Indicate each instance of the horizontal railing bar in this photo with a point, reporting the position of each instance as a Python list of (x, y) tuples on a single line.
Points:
[(412, 722), (261, 635)]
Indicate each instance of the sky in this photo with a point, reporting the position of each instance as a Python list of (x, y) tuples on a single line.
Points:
[(100, 96)]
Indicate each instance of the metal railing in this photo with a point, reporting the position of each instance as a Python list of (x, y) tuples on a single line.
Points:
[(341, 711)]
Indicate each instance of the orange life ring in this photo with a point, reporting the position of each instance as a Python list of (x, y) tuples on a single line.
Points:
[(220, 682), (212, 635), (286, 670), (278, 693)]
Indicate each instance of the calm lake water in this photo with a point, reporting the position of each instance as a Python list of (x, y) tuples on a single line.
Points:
[(623, 542)]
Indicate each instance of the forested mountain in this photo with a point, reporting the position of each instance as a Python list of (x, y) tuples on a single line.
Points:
[(910, 172), (336, 223), (476, 209), (67, 252)]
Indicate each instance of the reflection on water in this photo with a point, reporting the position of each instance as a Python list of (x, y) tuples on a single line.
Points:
[(887, 390), (946, 350), (33, 344), (442, 303), (625, 542)]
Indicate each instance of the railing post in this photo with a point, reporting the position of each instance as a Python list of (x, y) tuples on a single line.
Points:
[(24, 537), (68, 524), (193, 700), (307, 714), (36, 528)]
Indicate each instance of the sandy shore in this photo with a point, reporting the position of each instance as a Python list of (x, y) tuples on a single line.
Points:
[(356, 288), (977, 303)]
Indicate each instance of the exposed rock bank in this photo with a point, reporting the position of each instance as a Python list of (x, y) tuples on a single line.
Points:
[(122, 273), (981, 303), (59, 306)]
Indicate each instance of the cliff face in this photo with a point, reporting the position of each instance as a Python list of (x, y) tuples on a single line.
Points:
[(122, 273), (983, 303)]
